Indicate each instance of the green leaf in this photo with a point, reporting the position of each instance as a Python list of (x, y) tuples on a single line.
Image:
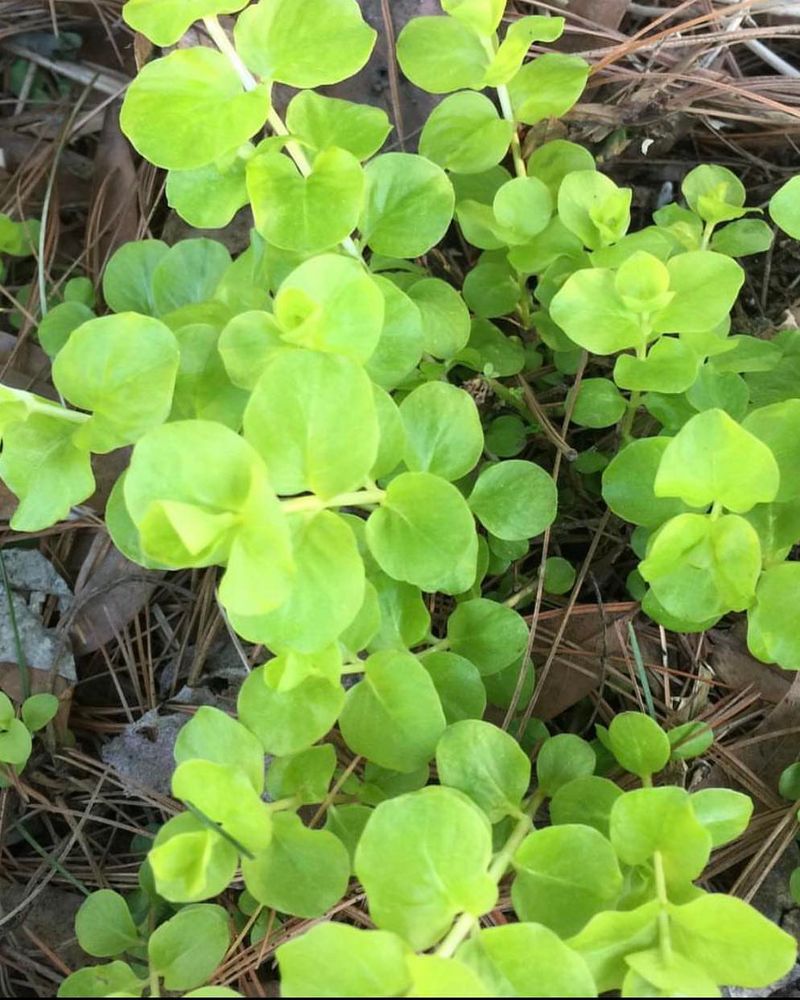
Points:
[(18, 238), (547, 87), (723, 812), (559, 575), (725, 391), (246, 345), (598, 403), (564, 875), (202, 387), (321, 122), (742, 238), (56, 326), (128, 277), (482, 16), (514, 47), (526, 960), (443, 430), (423, 533), (329, 303), (647, 820), (321, 43), (123, 368), (405, 620), (670, 366), (188, 488), (629, 480), (699, 567), (104, 926), (492, 290), (732, 941), (381, 783), (393, 717), (400, 343), (672, 975), (638, 742), (714, 193), (591, 205), (190, 861), (789, 782), (38, 710), (15, 743), (592, 314), (514, 500), (288, 720), (489, 350), (213, 735), (306, 214), (187, 948), (778, 426), (164, 22), (189, 108), (208, 197), (445, 317), (325, 595), (489, 634), (305, 776), (443, 977), (743, 473), (226, 796), (465, 134), (188, 274), (392, 435), (610, 937), (502, 686), (298, 399), (415, 883), (587, 800), (691, 739), (348, 822), (523, 208), (784, 208), (409, 204), (563, 758), (706, 285), (303, 872), (111, 979), (41, 464), (486, 764), (340, 960), (777, 634), (419, 53), (458, 684), (553, 160)]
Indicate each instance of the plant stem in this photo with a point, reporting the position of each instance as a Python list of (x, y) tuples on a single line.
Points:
[(359, 498), (220, 38), (155, 987), (664, 935), (516, 147), (466, 922)]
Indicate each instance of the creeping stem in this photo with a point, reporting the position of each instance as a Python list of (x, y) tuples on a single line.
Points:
[(359, 498)]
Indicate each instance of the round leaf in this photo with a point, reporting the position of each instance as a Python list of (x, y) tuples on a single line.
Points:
[(409, 205), (189, 109), (443, 430), (514, 500)]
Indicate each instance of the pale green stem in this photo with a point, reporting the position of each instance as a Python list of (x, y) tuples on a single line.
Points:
[(636, 396), (75, 416), (155, 987), (249, 82), (463, 927), (283, 805), (516, 147), (359, 498), (506, 107), (664, 935), (708, 232)]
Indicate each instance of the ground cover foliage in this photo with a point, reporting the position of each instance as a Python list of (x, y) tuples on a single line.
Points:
[(304, 416)]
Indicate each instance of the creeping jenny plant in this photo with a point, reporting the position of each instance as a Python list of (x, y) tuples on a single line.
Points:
[(294, 419)]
